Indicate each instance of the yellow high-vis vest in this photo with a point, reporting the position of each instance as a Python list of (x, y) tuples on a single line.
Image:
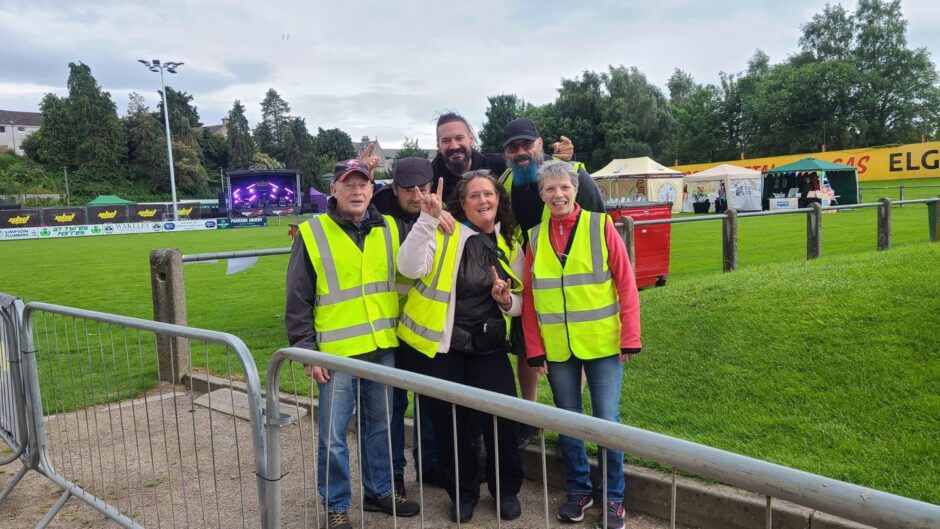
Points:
[(506, 180), (425, 313), (576, 303), (356, 307)]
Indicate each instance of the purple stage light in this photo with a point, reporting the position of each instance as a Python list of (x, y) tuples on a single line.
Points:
[(274, 186), (252, 186), (237, 191)]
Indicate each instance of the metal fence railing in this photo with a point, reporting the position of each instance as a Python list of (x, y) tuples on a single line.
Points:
[(814, 223), (831, 496), (120, 430), (13, 427), (901, 189)]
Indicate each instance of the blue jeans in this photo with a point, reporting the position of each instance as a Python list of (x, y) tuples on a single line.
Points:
[(337, 402), (428, 448), (604, 378)]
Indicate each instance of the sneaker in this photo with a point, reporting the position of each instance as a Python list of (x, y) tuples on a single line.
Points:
[(614, 516), (509, 508), (337, 520), (527, 434), (403, 506), (573, 508), (466, 510)]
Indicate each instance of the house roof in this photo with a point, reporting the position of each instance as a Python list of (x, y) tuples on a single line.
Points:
[(28, 119), (214, 128)]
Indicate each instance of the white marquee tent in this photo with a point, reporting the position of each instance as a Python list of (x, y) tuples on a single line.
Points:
[(640, 180), (742, 186)]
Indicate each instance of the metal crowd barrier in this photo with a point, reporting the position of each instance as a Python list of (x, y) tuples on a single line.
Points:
[(119, 429), (13, 427), (853, 502)]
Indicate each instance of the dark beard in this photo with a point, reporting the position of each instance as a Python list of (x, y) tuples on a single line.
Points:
[(457, 167)]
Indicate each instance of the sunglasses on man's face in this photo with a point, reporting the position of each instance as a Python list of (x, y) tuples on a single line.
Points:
[(515, 147)]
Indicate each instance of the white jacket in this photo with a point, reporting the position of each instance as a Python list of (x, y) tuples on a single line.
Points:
[(416, 259)]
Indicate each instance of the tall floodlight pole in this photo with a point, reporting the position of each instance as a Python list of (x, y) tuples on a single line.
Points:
[(156, 66)]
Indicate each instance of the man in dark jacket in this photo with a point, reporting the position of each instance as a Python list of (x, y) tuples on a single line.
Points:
[(401, 200), (322, 245), (457, 153)]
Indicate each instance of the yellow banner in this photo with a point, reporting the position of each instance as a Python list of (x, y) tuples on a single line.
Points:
[(914, 160)]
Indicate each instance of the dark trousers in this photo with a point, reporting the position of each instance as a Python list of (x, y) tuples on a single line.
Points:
[(492, 372)]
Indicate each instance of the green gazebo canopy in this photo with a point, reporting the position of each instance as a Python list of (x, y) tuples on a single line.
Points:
[(809, 164), (109, 200)]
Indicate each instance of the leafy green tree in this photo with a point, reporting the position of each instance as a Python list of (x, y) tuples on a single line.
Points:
[(146, 145), (263, 161), (297, 142), (680, 85), (215, 153), (184, 116), (241, 146), (333, 144), (409, 148), (502, 109), (271, 132)]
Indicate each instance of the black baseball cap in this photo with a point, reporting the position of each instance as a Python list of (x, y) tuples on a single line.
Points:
[(519, 129), (411, 172), (342, 169)]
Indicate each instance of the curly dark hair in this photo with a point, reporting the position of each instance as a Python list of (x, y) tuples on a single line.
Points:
[(504, 216)]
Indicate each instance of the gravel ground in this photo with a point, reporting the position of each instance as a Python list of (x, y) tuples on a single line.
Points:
[(142, 457)]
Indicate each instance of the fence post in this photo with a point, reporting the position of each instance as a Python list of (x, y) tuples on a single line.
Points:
[(729, 240), (169, 306), (884, 224), (814, 232), (933, 217), (626, 233), (901, 195)]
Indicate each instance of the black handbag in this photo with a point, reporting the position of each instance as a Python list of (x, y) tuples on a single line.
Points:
[(488, 336)]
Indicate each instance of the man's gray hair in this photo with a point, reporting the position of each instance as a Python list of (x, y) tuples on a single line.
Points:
[(557, 169)]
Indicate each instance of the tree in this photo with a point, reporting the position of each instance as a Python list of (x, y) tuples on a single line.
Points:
[(409, 148), (502, 109), (146, 145), (333, 144), (271, 131), (241, 146), (215, 152), (680, 85), (184, 117), (263, 161), (297, 142)]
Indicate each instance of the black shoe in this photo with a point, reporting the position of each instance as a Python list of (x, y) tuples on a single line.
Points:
[(527, 434), (403, 506), (573, 508), (399, 482), (509, 508), (337, 520), (614, 514), (466, 510)]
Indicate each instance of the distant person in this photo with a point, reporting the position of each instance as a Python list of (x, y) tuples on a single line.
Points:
[(581, 313), (328, 309)]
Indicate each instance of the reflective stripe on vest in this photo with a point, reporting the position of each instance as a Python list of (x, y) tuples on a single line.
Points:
[(356, 307), (425, 314), (576, 303)]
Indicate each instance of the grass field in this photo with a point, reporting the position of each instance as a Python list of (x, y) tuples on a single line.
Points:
[(830, 366)]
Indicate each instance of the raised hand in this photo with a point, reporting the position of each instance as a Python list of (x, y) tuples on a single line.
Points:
[(431, 203), (563, 149), (500, 290)]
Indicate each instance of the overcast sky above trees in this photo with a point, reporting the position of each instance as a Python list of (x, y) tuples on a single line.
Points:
[(386, 69)]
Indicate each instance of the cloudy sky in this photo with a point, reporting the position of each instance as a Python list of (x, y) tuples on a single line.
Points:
[(386, 69)]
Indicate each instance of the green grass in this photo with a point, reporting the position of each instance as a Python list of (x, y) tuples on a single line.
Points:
[(829, 366)]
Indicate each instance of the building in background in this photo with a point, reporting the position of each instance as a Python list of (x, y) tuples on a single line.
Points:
[(15, 127)]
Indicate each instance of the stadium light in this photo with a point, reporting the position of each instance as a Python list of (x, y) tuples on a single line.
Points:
[(156, 66)]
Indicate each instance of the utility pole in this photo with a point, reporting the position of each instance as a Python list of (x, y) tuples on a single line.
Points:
[(156, 66)]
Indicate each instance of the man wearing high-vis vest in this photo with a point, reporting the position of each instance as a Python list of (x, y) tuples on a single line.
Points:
[(522, 147), (580, 312), (341, 299)]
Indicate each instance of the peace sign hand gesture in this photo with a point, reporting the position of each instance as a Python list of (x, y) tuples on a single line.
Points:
[(431, 203), (500, 291)]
